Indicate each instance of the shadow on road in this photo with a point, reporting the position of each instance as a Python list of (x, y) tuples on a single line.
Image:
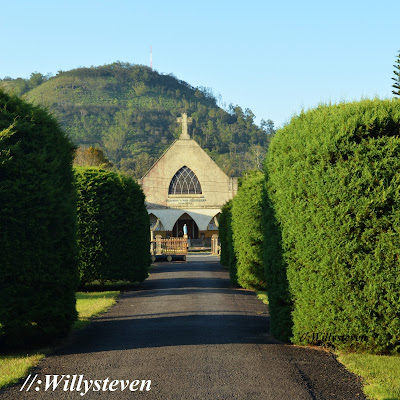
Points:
[(181, 304), (163, 330), (190, 266), (176, 289)]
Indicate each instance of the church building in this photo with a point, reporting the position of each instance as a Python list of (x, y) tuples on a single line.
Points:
[(186, 187)]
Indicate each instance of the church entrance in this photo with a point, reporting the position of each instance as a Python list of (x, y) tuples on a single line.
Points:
[(192, 228)]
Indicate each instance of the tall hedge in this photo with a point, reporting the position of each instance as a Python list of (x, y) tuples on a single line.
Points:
[(38, 268), (247, 231), (228, 257), (113, 227), (277, 285), (334, 183)]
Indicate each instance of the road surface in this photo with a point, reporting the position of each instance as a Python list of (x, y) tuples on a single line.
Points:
[(194, 336)]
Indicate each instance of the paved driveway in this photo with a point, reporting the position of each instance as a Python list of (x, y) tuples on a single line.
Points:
[(195, 337)]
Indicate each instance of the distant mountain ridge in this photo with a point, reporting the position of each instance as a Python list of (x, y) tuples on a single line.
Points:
[(130, 111)]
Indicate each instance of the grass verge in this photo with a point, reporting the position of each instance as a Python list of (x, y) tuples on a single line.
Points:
[(380, 373), (97, 286), (13, 367), (91, 304)]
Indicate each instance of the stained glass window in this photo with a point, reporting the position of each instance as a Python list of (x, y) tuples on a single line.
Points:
[(185, 182)]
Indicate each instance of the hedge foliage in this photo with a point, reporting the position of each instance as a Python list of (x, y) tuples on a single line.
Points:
[(333, 180), (38, 268), (277, 285), (113, 227), (228, 257), (247, 231)]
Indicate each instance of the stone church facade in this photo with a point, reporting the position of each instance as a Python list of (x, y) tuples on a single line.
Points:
[(186, 187)]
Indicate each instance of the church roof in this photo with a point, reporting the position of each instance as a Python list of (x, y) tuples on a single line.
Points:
[(202, 217), (185, 177), (185, 137)]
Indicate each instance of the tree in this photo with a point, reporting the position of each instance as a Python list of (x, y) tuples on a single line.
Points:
[(113, 227), (268, 126), (91, 157), (36, 79), (38, 268), (228, 257), (396, 85), (333, 184), (247, 231), (257, 153)]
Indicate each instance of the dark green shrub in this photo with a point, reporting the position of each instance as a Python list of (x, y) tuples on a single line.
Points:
[(247, 232), (228, 257), (333, 179), (136, 241), (113, 227), (277, 285), (38, 269), (223, 232)]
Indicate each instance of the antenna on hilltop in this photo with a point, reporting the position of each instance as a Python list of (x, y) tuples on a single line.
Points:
[(151, 58)]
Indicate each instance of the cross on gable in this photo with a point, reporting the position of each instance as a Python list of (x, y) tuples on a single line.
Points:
[(185, 120)]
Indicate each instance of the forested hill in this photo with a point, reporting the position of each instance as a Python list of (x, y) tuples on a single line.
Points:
[(130, 112)]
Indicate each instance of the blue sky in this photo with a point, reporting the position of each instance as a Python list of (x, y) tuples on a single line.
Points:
[(275, 58)]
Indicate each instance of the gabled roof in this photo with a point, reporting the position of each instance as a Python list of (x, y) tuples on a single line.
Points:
[(156, 162)]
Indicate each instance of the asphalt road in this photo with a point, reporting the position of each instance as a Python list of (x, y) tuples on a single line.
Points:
[(195, 337)]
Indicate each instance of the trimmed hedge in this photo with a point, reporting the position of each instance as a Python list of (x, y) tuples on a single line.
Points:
[(113, 227), (277, 285), (228, 257), (38, 268), (247, 232), (333, 179)]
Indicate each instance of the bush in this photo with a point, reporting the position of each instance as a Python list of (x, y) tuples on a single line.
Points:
[(228, 257), (247, 232), (277, 285), (136, 241), (223, 232), (38, 269), (333, 179), (113, 227)]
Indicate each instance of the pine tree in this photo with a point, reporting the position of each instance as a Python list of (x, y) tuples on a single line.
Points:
[(396, 85)]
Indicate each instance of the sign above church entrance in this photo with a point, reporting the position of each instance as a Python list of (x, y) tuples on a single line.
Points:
[(186, 201)]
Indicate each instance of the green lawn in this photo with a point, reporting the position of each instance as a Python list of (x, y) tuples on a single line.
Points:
[(380, 373), (15, 366), (91, 304)]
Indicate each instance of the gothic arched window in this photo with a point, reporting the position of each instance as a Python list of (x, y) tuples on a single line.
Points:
[(184, 182)]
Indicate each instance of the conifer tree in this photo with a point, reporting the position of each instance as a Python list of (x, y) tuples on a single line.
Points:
[(396, 85), (38, 265)]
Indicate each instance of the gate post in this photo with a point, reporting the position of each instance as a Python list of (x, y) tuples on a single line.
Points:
[(158, 244), (214, 245)]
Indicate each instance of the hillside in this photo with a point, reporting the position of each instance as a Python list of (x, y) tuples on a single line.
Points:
[(130, 112)]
